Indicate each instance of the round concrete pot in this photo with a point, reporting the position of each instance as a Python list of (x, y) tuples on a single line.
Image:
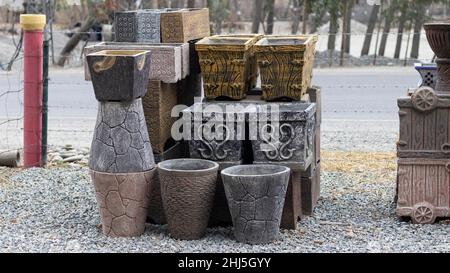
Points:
[(122, 199), (187, 188), (256, 196)]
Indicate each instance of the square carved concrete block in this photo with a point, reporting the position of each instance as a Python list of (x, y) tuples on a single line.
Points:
[(423, 189), (141, 26), (291, 141), (226, 66), (170, 62), (314, 94), (310, 189), (285, 64), (424, 125), (181, 26), (210, 136), (158, 103)]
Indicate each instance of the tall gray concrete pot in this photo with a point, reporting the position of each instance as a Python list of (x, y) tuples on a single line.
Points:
[(187, 188), (119, 75), (256, 196)]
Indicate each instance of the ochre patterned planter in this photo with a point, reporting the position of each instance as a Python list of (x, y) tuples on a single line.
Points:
[(226, 66), (285, 64), (423, 188), (181, 26), (118, 75)]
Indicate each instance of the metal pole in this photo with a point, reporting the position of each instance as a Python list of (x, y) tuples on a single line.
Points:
[(44, 103), (33, 26)]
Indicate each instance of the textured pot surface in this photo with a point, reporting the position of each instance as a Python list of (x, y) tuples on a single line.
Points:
[(169, 62), (119, 75), (187, 188), (226, 66), (122, 199), (137, 26), (293, 145), (438, 36), (256, 195), (285, 64), (423, 189), (121, 143), (181, 26)]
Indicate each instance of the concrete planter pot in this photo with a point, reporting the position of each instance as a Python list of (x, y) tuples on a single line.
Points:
[(285, 64), (121, 143), (256, 196), (122, 200), (187, 188), (170, 62), (119, 75), (293, 147), (428, 73), (225, 58), (183, 25), (142, 26), (211, 137), (438, 35)]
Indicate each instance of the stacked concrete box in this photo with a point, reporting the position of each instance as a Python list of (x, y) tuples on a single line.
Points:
[(137, 26), (423, 147), (181, 26), (170, 62)]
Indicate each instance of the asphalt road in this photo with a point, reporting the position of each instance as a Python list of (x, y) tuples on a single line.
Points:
[(366, 95)]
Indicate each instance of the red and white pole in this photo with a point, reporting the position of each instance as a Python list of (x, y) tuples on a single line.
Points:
[(33, 27)]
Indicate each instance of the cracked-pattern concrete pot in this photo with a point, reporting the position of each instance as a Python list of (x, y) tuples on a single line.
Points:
[(122, 199), (138, 26), (119, 75), (187, 187), (256, 196), (121, 143)]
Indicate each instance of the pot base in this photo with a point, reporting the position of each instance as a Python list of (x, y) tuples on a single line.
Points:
[(122, 200)]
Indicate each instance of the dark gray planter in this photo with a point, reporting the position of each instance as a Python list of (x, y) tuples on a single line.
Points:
[(256, 196), (187, 188), (138, 26), (224, 142), (119, 75), (294, 146), (121, 143)]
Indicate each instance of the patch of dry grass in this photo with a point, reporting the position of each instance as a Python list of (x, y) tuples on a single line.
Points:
[(6, 173)]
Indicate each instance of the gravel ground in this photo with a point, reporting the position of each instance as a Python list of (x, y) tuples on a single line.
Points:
[(54, 210)]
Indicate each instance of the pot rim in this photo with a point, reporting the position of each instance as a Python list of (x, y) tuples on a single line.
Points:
[(438, 25), (161, 164), (282, 170)]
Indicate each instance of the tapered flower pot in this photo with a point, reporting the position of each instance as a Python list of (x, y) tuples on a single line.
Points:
[(119, 75), (122, 199), (438, 35), (187, 188), (256, 196)]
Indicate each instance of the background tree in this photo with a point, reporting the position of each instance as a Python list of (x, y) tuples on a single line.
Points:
[(370, 28), (388, 15), (257, 15)]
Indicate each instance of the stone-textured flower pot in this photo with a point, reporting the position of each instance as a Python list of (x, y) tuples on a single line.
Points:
[(121, 143), (285, 64), (293, 147), (226, 66), (208, 143), (438, 35), (428, 73), (119, 75), (122, 199), (142, 26), (181, 26), (170, 62), (187, 187), (256, 196)]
